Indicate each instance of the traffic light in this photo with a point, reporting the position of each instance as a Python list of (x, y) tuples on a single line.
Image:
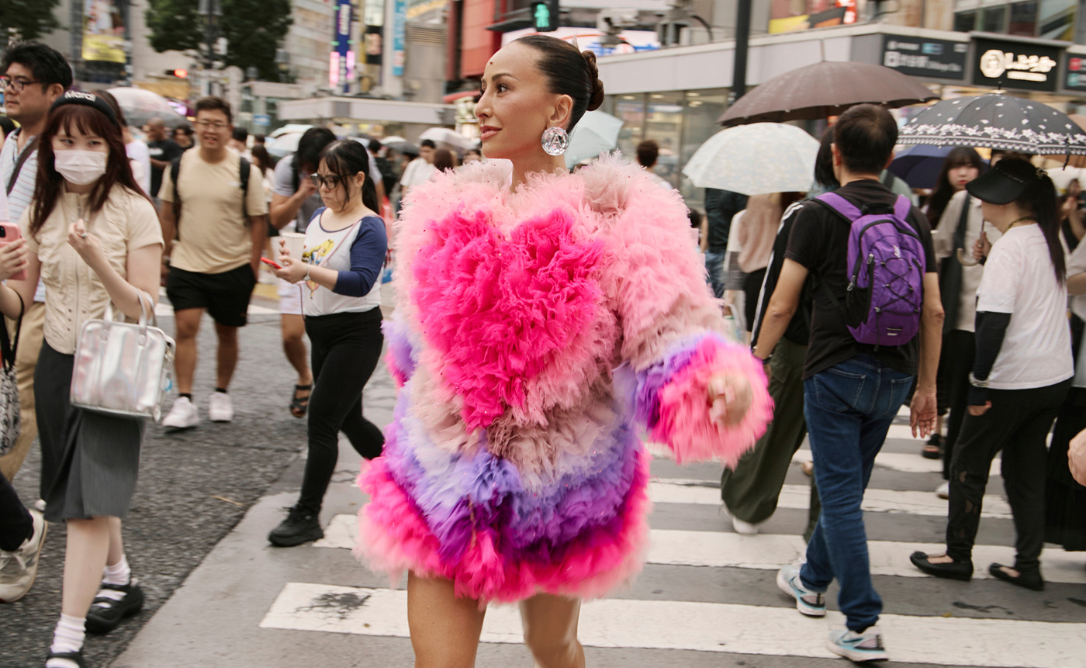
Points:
[(545, 16), (179, 73)]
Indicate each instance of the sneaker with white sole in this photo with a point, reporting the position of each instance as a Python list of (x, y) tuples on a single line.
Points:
[(183, 415), (810, 603), (220, 408), (744, 528), (19, 568), (858, 647), (943, 491)]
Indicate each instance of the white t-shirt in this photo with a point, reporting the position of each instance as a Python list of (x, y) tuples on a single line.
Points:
[(417, 173), (139, 154), (1019, 279)]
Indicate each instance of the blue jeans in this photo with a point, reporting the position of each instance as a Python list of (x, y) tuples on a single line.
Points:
[(849, 409), (714, 264)]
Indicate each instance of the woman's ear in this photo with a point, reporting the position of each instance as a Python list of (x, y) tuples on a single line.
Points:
[(561, 112)]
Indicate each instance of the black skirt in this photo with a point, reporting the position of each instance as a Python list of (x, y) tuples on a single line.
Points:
[(89, 460)]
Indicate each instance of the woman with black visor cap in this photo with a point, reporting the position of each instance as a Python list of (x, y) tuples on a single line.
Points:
[(1021, 374)]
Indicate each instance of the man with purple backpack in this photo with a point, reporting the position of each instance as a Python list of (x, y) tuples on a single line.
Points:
[(876, 327)]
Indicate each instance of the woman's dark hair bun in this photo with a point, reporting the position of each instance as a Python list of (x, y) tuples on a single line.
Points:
[(596, 100)]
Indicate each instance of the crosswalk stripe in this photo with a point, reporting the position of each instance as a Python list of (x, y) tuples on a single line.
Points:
[(706, 627), (677, 490), (903, 462), (720, 549)]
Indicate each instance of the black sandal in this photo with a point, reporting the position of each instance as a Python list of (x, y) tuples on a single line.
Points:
[(933, 448), (74, 657), (299, 405), (954, 570)]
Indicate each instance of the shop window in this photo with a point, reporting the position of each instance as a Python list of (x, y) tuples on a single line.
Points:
[(993, 19), (631, 110), (1057, 19), (1023, 19), (664, 123), (702, 109), (965, 21)]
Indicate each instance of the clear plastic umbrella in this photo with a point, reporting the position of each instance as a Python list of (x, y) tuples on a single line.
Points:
[(596, 133), (140, 106), (755, 159), (452, 138)]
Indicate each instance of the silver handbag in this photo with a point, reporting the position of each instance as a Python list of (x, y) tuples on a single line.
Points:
[(122, 368)]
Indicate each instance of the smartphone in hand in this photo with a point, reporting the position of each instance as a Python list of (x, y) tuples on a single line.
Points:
[(270, 263), (10, 232)]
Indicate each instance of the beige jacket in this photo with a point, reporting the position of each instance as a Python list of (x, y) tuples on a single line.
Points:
[(943, 240), (73, 292)]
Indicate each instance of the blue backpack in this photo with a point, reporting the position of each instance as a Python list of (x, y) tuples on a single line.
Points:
[(886, 266)]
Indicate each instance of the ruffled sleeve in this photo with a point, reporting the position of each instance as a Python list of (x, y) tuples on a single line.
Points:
[(672, 327)]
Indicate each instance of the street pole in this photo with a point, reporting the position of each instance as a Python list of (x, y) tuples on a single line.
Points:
[(742, 43)]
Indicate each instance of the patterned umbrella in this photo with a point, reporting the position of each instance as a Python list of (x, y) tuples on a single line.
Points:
[(996, 121), (755, 159)]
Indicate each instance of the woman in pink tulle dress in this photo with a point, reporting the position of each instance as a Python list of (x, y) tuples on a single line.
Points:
[(544, 322)]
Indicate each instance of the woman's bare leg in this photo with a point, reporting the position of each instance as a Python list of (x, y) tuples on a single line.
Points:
[(444, 629), (550, 630)]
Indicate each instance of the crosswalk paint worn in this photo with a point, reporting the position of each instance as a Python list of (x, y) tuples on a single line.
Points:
[(705, 627)]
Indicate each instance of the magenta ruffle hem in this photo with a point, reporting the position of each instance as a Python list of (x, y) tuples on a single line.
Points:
[(538, 336)]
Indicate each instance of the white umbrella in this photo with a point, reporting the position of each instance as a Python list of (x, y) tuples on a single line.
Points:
[(755, 159), (447, 136), (596, 133)]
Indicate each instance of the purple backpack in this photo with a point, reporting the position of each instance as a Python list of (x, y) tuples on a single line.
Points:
[(886, 266)]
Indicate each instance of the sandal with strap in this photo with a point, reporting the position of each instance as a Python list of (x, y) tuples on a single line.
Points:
[(300, 405), (74, 657)]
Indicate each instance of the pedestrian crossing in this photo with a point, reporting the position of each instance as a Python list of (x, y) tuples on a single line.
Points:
[(706, 589)]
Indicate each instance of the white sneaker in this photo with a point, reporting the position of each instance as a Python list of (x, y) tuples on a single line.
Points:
[(943, 491), (220, 408), (19, 568), (744, 528), (858, 647), (183, 415)]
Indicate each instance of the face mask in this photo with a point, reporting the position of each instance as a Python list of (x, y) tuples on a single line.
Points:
[(80, 167)]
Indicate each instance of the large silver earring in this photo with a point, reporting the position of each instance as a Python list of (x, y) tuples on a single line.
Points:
[(555, 141)]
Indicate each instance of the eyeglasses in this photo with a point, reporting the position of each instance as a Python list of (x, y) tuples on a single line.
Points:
[(217, 126), (331, 181), (16, 85)]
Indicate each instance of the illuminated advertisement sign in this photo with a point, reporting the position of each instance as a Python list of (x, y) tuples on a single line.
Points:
[(341, 60)]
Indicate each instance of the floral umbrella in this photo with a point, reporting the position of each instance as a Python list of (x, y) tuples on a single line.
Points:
[(755, 159), (996, 121)]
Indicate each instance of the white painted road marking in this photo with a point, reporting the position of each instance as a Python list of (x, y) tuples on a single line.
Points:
[(706, 627), (719, 549), (678, 490)]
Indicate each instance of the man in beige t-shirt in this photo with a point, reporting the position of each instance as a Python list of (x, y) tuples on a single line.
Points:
[(213, 253)]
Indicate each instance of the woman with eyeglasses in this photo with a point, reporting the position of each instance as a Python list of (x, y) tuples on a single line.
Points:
[(345, 246)]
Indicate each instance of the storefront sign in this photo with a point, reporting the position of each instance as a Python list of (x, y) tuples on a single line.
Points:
[(1016, 65), (342, 59), (920, 57), (1076, 72), (587, 39), (399, 28)]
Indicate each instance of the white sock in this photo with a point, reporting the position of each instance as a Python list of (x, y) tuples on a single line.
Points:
[(118, 574), (67, 638)]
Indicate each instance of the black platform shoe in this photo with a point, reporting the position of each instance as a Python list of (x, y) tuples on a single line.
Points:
[(955, 570), (74, 657), (106, 614), (1028, 579)]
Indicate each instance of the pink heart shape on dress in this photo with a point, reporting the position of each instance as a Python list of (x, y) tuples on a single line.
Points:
[(506, 311)]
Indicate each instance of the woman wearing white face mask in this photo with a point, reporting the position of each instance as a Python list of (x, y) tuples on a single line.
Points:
[(93, 238)]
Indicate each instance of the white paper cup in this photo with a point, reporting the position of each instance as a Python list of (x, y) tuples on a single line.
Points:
[(295, 243)]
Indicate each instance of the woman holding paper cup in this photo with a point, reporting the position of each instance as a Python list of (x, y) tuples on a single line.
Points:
[(339, 270)]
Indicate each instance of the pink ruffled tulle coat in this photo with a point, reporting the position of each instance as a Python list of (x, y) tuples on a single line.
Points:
[(537, 336)]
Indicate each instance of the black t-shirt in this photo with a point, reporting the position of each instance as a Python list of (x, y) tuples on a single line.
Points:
[(165, 150), (819, 242), (798, 331), (720, 207)]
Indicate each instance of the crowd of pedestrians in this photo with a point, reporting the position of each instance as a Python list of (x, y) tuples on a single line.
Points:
[(958, 309)]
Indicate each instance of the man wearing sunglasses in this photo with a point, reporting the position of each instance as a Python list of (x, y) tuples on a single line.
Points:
[(214, 224)]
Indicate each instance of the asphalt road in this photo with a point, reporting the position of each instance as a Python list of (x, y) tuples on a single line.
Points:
[(194, 487)]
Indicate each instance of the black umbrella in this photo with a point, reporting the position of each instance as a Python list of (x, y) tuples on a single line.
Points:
[(919, 165), (825, 89), (996, 121)]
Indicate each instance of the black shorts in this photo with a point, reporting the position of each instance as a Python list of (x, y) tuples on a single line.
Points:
[(225, 295)]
